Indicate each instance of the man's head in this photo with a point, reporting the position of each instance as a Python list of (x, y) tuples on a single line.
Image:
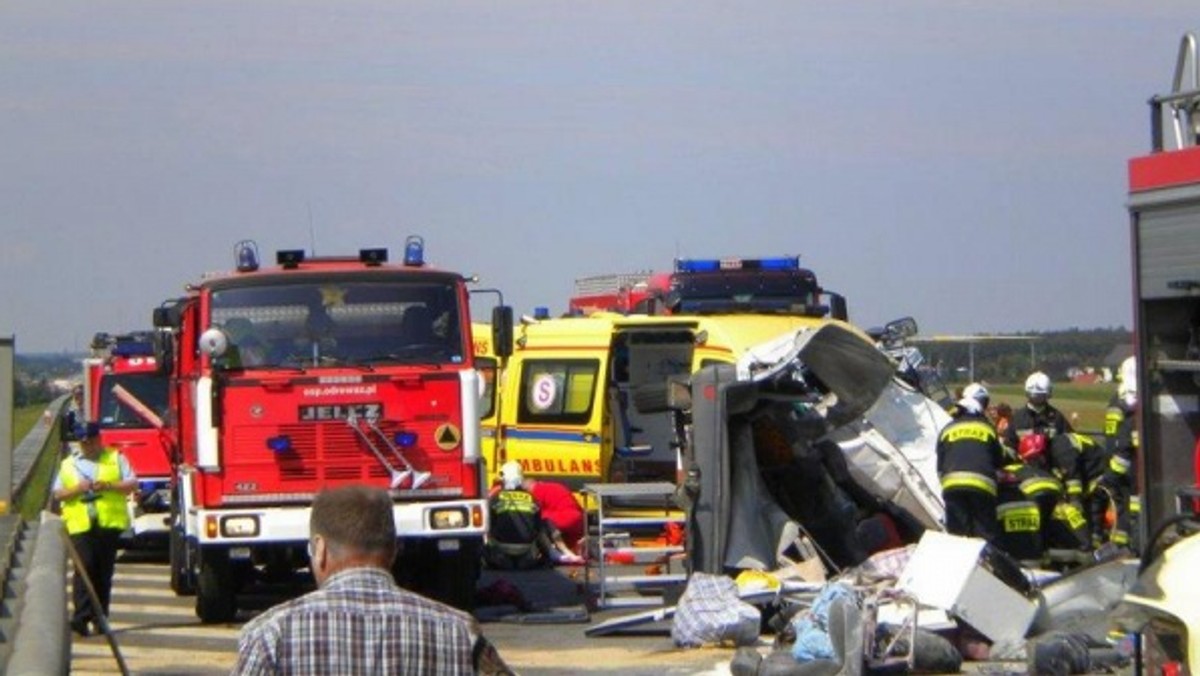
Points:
[(88, 435), (350, 527), (1038, 389)]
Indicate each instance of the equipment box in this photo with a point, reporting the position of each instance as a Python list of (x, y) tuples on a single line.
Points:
[(949, 572)]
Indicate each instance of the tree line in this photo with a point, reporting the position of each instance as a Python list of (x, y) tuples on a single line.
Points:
[(1054, 352)]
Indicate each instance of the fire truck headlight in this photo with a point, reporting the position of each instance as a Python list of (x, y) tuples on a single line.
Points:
[(239, 526), (280, 444), (445, 519), (406, 439)]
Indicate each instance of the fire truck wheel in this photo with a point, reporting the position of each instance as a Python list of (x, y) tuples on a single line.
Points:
[(182, 582), (215, 598)]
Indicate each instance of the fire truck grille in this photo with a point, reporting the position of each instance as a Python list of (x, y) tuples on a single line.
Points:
[(331, 452)]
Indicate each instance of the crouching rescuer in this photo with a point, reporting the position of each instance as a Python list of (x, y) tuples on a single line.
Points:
[(519, 538)]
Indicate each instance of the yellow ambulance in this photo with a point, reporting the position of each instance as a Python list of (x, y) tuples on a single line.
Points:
[(565, 405)]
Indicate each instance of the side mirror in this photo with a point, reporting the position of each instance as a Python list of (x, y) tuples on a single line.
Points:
[(837, 307), (214, 342), (164, 350), (168, 315), (502, 331), (905, 327)]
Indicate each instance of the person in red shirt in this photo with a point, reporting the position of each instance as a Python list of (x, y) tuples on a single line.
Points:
[(560, 508)]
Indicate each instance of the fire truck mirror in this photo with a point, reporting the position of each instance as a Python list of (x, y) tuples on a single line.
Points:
[(214, 342), (164, 350), (502, 330)]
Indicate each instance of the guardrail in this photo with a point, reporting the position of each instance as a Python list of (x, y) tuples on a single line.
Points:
[(34, 636)]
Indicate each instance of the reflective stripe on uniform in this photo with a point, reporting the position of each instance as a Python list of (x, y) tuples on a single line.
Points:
[(1119, 465), (1038, 485), (1020, 517), (979, 431), (971, 480)]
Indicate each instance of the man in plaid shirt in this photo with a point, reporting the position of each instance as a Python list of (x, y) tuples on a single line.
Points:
[(359, 621)]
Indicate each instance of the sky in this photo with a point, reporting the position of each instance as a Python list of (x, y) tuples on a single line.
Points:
[(961, 162)]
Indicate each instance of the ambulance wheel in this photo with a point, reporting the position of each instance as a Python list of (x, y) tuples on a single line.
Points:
[(216, 601), (182, 582)]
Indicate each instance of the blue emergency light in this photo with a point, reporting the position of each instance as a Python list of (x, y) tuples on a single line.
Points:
[(695, 265), (406, 439), (414, 251), (280, 444), (541, 312), (246, 255)]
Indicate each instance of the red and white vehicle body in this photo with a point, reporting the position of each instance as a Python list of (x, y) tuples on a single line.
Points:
[(318, 373), (125, 391)]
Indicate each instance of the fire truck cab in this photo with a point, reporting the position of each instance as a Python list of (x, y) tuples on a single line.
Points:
[(315, 373), (567, 397), (126, 393)]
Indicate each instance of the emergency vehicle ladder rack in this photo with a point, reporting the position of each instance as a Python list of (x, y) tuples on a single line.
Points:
[(1183, 101), (614, 546), (397, 476)]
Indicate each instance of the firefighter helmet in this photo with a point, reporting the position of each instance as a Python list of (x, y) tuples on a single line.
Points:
[(1127, 390), (1032, 446), (511, 475), (977, 392), (1038, 383)]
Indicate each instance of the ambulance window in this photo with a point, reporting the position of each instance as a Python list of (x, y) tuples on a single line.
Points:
[(558, 390)]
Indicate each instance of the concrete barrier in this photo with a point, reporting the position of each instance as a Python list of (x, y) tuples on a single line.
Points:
[(42, 644), (36, 599)]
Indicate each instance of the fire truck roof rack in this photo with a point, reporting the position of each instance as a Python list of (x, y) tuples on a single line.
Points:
[(1182, 104)]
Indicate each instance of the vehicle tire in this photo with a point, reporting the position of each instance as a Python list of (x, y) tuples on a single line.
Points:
[(216, 600), (182, 581)]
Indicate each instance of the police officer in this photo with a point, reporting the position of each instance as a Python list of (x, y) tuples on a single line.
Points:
[(518, 537), (92, 485), (1037, 415), (969, 455)]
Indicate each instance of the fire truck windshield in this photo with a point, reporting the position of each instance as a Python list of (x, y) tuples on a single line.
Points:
[(148, 388), (338, 321)]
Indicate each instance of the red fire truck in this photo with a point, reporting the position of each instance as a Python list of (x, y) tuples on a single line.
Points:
[(711, 286), (126, 393), (322, 372), (1164, 205)]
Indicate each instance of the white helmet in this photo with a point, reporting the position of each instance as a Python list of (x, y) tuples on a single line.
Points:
[(977, 392), (511, 475), (1038, 383), (1127, 390)]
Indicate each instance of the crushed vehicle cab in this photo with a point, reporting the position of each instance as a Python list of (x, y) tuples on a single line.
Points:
[(313, 373), (126, 393), (568, 395)]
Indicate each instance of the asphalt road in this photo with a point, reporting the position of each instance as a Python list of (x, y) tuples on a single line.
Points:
[(158, 632)]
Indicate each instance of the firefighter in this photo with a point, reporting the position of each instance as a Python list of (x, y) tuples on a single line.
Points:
[(1116, 487), (969, 455), (1037, 415), (92, 485), (1089, 459), (518, 537)]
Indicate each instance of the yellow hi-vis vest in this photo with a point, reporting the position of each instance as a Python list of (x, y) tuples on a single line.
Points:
[(110, 505)]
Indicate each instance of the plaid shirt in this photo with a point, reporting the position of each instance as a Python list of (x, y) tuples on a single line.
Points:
[(360, 622)]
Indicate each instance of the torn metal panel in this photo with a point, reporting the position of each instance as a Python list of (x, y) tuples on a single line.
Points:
[(846, 365), (892, 453), (1080, 602)]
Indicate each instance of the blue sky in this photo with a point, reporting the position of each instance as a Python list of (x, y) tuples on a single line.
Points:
[(961, 162)]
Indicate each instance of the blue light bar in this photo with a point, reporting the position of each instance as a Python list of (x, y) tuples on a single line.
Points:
[(280, 444), (695, 265), (406, 439), (541, 312)]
